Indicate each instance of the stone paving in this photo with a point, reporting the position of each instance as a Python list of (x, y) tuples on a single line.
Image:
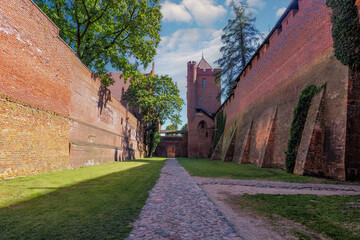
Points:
[(273, 187), (177, 208)]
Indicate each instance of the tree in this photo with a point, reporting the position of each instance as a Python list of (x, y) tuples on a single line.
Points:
[(108, 32), (239, 40), (171, 127), (158, 98), (185, 127)]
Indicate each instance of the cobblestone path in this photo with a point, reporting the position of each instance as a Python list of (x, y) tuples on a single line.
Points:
[(177, 208)]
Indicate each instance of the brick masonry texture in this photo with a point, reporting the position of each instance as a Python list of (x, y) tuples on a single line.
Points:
[(31, 140), (298, 53), (172, 146), (200, 138), (53, 114)]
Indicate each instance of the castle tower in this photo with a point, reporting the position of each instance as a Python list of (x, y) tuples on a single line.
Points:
[(201, 104)]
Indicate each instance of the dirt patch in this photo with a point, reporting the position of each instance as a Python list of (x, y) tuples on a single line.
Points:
[(251, 226)]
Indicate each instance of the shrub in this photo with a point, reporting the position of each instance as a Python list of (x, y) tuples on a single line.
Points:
[(346, 32), (298, 123)]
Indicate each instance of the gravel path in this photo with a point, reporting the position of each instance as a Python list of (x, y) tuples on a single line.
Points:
[(268, 187), (177, 208)]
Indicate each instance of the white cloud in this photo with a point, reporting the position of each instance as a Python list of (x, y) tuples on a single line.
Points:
[(175, 12), (204, 11), (182, 39), (253, 5), (250, 3), (187, 45), (280, 12), (227, 2), (182, 46), (256, 3)]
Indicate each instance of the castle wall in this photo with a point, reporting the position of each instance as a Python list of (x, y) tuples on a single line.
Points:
[(168, 143), (208, 95), (297, 54), (200, 139), (53, 114)]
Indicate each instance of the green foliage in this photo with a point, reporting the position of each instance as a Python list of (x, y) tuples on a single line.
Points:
[(158, 98), (220, 126), (152, 137), (171, 127), (185, 127), (239, 38), (97, 202), (108, 32), (298, 124), (346, 32), (216, 168), (337, 217)]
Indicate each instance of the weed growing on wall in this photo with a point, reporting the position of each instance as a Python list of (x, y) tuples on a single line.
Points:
[(346, 32), (220, 126), (298, 123)]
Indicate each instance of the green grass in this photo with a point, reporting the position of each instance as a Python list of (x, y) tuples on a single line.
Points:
[(218, 169), (338, 217), (97, 202)]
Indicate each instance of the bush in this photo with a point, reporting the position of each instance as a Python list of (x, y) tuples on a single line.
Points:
[(220, 126), (298, 123), (346, 32)]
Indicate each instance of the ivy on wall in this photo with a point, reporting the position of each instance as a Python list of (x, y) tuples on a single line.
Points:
[(220, 126), (298, 123), (346, 32)]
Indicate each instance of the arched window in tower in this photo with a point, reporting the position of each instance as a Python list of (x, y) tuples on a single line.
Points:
[(202, 125), (204, 83)]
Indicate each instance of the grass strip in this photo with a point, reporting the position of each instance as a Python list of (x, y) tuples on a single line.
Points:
[(338, 217), (217, 169), (97, 202)]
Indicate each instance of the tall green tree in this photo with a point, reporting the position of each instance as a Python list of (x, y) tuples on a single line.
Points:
[(185, 127), (159, 100), (108, 32), (239, 38), (171, 127)]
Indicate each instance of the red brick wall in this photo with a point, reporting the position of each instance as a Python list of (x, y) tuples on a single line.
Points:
[(199, 140), (51, 112), (32, 140), (208, 95), (298, 54), (178, 143), (119, 87)]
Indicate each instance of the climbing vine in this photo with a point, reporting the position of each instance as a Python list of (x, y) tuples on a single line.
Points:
[(298, 123), (346, 32), (220, 126)]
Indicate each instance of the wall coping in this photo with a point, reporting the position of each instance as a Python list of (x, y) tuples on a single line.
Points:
[(278, 26)]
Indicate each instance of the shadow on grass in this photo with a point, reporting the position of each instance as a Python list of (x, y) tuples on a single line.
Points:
[(100, 208)]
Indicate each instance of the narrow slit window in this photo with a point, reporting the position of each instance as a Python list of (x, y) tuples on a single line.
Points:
[(204, 83)]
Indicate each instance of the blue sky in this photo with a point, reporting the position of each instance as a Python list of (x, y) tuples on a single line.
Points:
[(190, 27)]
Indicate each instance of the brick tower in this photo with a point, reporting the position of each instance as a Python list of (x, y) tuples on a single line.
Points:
[(201, 104)]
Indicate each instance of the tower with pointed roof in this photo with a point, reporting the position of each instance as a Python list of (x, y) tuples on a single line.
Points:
[(201, 104)]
